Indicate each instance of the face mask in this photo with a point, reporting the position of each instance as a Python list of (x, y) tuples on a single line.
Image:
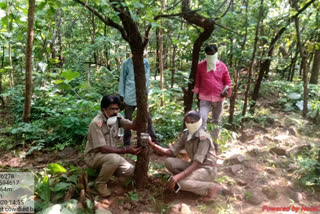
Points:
[(212, 62), (112, 120), (193, 127)]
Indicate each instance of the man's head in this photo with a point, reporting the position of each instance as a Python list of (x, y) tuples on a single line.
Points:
[(110, 105), (193, 121), (211, 49)]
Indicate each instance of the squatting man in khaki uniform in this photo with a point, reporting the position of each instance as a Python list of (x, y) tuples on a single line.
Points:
[(196, 176), (104, 146)]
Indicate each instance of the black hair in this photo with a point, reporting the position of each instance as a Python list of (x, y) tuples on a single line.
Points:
[(210, 48), (197, 116), (108, 100), (193, 114)]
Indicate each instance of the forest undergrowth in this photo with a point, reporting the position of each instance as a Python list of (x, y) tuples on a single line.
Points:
[(271, 160)]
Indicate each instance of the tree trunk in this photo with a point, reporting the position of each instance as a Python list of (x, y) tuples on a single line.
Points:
[(173, 64), (28, 89), (107, 49), (244, 110), (137, 46), (208, 27), (304, 66), (9, 47), (93, 37), (56, 29), (265, 67), (161, 56), (157, 53), (236, 74), (165, 53), (233, 98), (316, 66), (61, 62), (2, 65)]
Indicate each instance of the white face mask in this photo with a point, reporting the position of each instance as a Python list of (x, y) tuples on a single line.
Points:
[(212, 62), (112, 120), (193, 127)]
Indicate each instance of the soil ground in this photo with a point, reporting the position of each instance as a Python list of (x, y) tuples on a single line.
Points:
[(258, 180)]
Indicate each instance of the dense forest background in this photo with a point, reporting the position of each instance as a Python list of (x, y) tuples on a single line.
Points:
[(58, 58)]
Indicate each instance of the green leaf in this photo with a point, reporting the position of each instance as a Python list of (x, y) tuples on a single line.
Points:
[(133, 16), (58, 81), (69, 75), (61, 186), (44, 189), (153, 24), (137, 5), (55, 168)]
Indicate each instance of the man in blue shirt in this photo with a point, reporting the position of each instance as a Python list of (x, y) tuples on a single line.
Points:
[(127, 92)]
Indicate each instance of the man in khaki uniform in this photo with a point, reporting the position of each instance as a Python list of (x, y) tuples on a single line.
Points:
[(104, 146), (198, 175)]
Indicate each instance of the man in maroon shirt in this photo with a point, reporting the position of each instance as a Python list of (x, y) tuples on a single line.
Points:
[(213, 84)]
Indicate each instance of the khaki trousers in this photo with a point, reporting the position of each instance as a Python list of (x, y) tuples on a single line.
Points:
[(198, 182), (108, 164)]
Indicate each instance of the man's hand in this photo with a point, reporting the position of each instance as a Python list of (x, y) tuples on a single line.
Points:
[(225, 91), (134, 125), (172, 183), (134, 150), (198, 101)]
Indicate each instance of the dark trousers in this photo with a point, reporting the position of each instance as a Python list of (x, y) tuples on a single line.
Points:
[(128, 111)]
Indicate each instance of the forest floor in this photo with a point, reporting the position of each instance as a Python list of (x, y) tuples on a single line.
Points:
[(257, 168)]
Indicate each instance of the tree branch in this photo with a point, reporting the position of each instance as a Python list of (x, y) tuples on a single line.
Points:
[(175, 14), (228, 29), (107, 21), (146, 36), (301, 10), (225, 12)]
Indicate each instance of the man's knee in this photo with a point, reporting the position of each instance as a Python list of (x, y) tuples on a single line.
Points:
[(169, 164), (113, 159)]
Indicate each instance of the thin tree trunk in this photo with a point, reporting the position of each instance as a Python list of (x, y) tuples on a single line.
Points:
[(93, 37), (304, 67), (9, 47), (246, 97), (173, 64), (61, 62), (316, 66), (55, 33), (165, 53), (293, 64), (236, 74), (233, 98), (28, 89), (157, 70), (107, 49), (161, 56), (2, 65)]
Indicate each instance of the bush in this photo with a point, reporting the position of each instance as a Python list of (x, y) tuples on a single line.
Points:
[(309, 170)]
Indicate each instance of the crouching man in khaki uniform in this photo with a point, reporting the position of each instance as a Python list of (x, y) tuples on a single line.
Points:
[(104, 146), (196, 176)]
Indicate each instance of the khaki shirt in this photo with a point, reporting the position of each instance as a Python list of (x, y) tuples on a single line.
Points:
[(200, 147), (100, 134)]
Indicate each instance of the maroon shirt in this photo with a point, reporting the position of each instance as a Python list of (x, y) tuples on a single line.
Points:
[(211, 84)]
